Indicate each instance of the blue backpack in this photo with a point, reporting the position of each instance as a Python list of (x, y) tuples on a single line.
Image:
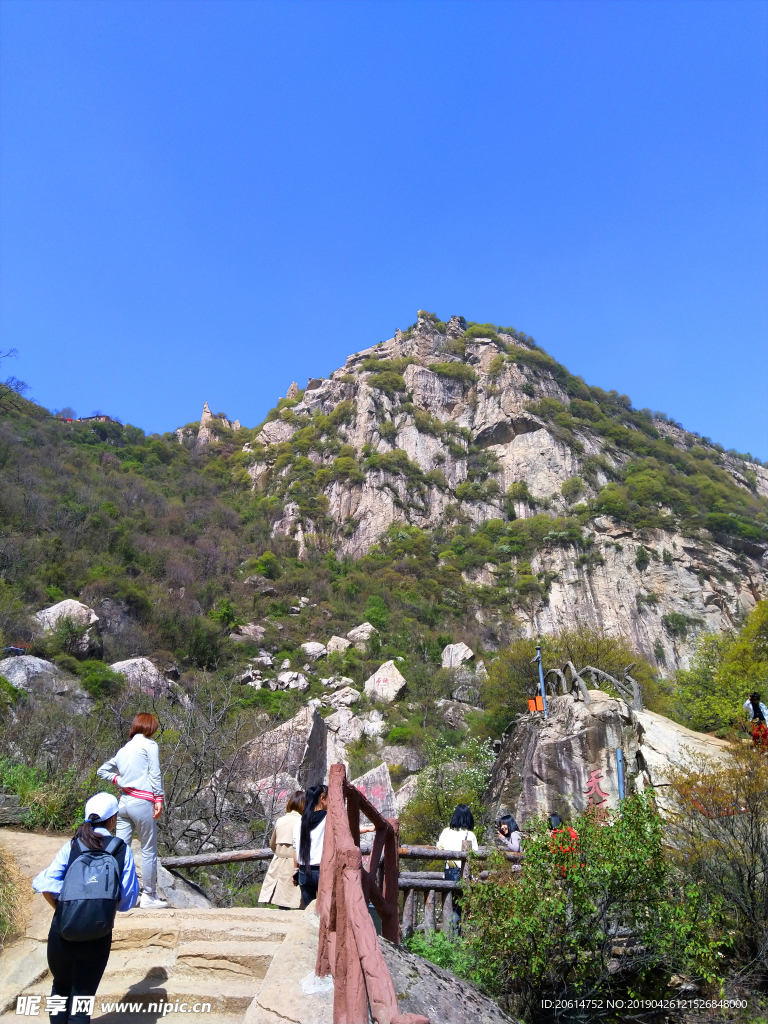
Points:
[(88, 899)]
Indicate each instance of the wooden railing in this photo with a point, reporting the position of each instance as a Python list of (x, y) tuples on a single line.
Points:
[(348, 947), (427, 896), (201, 860)]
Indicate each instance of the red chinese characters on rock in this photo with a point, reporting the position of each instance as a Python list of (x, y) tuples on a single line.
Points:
[(594, 794)]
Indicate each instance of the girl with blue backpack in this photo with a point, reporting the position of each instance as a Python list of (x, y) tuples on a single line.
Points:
[(91, 878)]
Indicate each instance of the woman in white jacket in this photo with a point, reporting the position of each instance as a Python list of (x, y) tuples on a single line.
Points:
[(135, 769)]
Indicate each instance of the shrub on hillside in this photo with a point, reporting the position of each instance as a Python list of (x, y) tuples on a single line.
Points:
[(455, 371), (550, 930), (718, 833)]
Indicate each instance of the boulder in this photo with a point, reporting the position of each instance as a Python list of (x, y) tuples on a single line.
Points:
[(454, 713), (293, 390), (276, 432), (386, 683), (403, 757), (313, 650), (23, 672), (342, 698), (373, 723), (467, 693), (293, 681), (334, 682), (82, 617), (261, 585), (41, 679), (251, 677), (406, 793), (143, 677), (361, 634), (337, 645), (376, 786), (274, 792), (250, 632), (345, 725), (296, 748), (79, 614), (426, 989), (264, 660), (568, 762), (665, 746), (456, 654)]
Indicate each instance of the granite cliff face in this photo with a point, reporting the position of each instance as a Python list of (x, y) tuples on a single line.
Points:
[(440, 425)]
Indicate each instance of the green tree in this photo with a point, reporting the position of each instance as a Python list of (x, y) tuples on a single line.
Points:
[(453, 775), (725, 669), (571, 489), (377, 613)]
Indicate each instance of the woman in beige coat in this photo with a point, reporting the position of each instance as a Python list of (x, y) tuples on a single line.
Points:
[(278, 887)]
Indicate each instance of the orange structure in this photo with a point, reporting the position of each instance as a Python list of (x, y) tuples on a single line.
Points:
[(348, 947)]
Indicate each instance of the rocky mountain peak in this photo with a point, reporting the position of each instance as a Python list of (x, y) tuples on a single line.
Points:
[(609, 513)]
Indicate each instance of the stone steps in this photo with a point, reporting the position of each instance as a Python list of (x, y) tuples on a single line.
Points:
[(187, 956)]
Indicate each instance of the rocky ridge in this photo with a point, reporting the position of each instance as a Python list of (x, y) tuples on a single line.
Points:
[(441, 425)]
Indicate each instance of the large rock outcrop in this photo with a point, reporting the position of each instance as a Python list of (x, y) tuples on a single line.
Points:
[(40, 679), (296, 748), (423, 987), (143, 677), (568, 762), (78, 613), (87, 641)]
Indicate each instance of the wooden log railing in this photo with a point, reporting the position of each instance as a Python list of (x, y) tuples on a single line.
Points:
[(348, 947), (202, 860), (427, 895)]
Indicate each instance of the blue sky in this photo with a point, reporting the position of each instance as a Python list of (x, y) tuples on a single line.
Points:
[(207, 200)]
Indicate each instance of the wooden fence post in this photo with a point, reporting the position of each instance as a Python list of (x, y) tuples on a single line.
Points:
[(447, 925), (429, 912), (409, 913)]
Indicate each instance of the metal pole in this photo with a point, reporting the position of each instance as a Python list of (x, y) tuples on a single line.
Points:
[(620, 771), (541, 680)]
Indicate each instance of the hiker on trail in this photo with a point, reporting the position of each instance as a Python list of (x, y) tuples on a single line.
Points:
[(308, 836), (509, 834), (135, 769), (758, 714), (451, 838), (91, 877), (278, 887)]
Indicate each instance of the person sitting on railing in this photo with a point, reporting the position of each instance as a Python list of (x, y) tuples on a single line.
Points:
[(278, 887), (451, 838), (308, 836), (509, 834)]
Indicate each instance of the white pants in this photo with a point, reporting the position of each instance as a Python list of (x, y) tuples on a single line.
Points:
[(135, 815)]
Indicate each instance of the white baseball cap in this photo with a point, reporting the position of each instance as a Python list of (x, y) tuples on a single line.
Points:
[(103, 804)]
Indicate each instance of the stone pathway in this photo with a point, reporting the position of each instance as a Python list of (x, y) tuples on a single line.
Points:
[(252, 965), (193, 954)]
